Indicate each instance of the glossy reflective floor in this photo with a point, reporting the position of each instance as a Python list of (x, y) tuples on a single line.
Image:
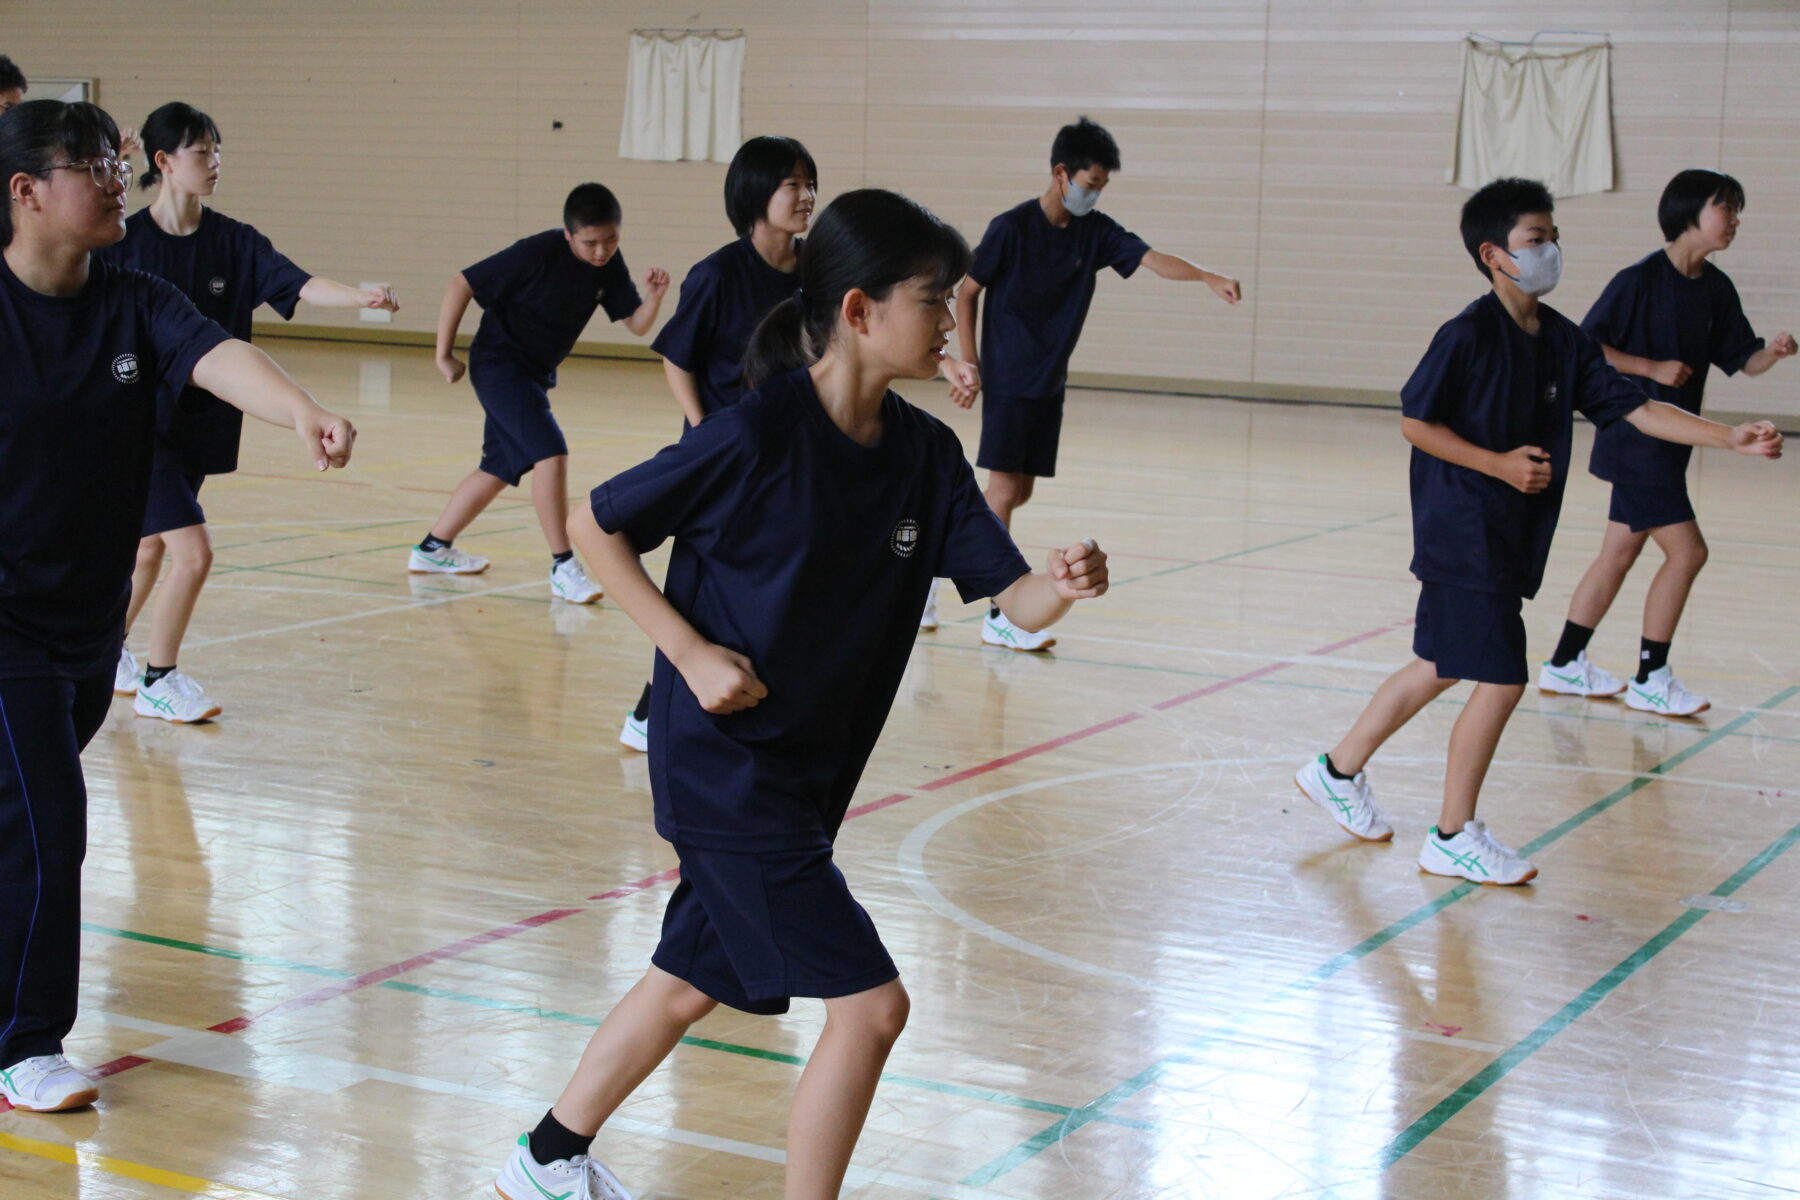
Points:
[(348, 940)]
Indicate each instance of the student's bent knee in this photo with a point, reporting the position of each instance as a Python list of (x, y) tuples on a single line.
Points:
[(150, 551), (683, 1000), (881, 1013)]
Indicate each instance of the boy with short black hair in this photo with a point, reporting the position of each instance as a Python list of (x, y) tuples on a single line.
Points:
[(1663, 320), (537, 296), (1490, 415), (1038, 262), (12, 84)]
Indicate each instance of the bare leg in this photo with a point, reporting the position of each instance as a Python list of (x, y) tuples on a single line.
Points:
[(190, 561), (1007, 490), (637, 1035), (143, 576), (474, 493), (1398, 699), (550, 496), (832, 1099), (1472, 743), (1684, 553), (1600, 586)]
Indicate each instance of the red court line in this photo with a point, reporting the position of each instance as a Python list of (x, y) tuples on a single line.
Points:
[(642, 885)]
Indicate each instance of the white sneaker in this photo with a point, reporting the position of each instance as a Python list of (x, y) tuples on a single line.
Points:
[(1474, 854), (1350, 802), (175, 697), (569, 582), (1579, 678), (635, 734), (928, 620), (447, 561), (1663, 693), (580, 1178), (47, 1083), (127, 675), (996, 630)]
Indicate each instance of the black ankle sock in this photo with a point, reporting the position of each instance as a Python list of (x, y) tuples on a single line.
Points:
[(432, 541), (557, 560), (642, 711), (1441, 835), (552, 1141), (152, 674), (1575, 639), (1331, 770), (1652, 656), (993, 610)]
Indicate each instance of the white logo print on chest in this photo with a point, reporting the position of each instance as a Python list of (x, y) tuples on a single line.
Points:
[(905, 538), (217, 286), (125, 368)]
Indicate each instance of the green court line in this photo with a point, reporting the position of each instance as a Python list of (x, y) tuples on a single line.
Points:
[(912, 1081), (294, 562), (1053, 1134), (1574, 1010)]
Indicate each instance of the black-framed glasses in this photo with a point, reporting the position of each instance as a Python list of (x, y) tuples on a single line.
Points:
[(103, 171)]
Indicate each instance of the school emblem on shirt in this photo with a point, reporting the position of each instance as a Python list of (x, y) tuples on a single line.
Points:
[(125, 368), (1550, 394), (905, 538), (217, 286), (599, 295)]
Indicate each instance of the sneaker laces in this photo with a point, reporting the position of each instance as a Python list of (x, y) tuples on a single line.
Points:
[(183, 685), (1478, 831)]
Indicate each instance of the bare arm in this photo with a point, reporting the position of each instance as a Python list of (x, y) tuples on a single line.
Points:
[(656, 286), (687, 392), (329, 293), (968, 316), (1756, 438), (247, 379), (1669, 372), (1526, 467), (1769, 355), (1173, 266), (457, 295), (1040, 599)]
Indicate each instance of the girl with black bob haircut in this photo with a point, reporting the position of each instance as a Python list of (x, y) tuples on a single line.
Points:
[(808, 520), (227, 269), (91, 359)]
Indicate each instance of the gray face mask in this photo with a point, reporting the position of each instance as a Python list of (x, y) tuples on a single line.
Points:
[(1079, 200), (1540, 268)]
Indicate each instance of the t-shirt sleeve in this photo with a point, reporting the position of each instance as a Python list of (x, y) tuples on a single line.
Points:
[(690, 490), (977, 551), (495, 277), (1602, 394), (683, 339), (1120, 249), (993, 253), (621, 298), (275, 280), (1733, 341), (180, 334), (1438, 382), (1609, 318)]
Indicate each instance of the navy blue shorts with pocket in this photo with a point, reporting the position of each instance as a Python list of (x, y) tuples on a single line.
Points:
[(1020, 435), (174, 497), (754, 930), (520, 431), (1465, 634), (1642, 508)]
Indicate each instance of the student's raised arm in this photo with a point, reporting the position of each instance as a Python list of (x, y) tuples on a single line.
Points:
[(1668, 372), (1040, 599), (1759, 439), (247, 379), (457, 295), (1173, 266), (656, 286), (329, 293), (1769, 355), (1526, 468)]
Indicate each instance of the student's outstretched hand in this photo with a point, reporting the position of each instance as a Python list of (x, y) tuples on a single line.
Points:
[(327, 436), (129, 141), (964, 380), (1225, 288), (656, 283), (722, 680), (451, 366), (1527, 468), (381, 297), (1759, 439), (1080, 571), (1783, 345), (1671, 372)]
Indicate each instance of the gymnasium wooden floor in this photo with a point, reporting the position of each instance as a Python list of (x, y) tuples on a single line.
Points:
[(349, 940)]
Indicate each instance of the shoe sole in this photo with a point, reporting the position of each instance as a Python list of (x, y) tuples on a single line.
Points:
[(119, 691), (76, 1100), (1361, 837), (1019, 649), (208, 715), (594, 599), (1481, 882), (924, 628), (1657, 712), (436, 571), (1544, 691)]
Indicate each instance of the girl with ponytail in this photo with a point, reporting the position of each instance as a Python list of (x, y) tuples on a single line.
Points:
[(808, 521)]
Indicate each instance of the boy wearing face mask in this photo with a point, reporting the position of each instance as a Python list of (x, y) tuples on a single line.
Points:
[(1490, 413), (1038, 263)]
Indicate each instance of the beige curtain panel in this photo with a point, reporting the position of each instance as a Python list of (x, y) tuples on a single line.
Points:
[(1541, 114), (683, 97)]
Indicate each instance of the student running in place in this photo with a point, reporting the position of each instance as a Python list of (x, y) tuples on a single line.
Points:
[(808, 521), (89, 354), (1490, 413), (1038, 263), (770, 189), (1664, 320), (537, 295), (227, 269)]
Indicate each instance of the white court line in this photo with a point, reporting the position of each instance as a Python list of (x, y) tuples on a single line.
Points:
[(226, 1054), (357, 616), (264, 587), (1351, 664)]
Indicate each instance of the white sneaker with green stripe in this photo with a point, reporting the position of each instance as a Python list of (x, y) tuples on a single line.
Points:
[(1476, 855), (1579, 677), (580, 1178), (127, 675), (447, 560), (1663, 693), (177, 698), (47, 1083), (1349, 802), (996, 630)]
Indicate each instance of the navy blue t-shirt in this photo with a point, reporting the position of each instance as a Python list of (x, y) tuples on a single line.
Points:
[(536, 297), (82, 379), (723, 299), (1501, 388), (810, 555), (1652, 310), (1040, 282), (227, 269)]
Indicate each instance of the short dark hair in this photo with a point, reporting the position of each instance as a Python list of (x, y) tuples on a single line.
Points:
[(168, 129), (1490, 214), (1687, 196), (590, 204), (11, 77), (1082, 145), (757, 172), (33, 135)]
